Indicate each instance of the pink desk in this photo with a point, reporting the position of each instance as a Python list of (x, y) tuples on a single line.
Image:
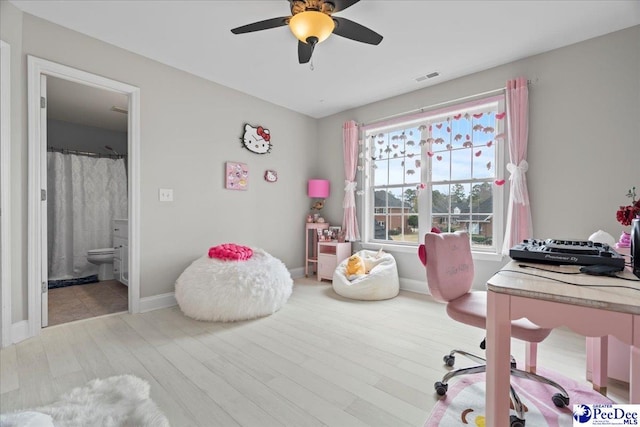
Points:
[(592, 312)]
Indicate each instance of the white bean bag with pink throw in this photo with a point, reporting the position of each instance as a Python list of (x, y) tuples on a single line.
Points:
[(380, 282), (228, 290)]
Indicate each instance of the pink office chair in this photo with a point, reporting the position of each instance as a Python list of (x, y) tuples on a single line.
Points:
[(450, 276)]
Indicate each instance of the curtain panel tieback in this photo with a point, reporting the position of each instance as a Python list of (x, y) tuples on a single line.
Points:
[(518, 181), (349, 197)]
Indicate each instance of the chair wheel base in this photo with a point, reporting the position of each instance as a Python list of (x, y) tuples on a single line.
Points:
[(449, 360), (559, 400), (514, 421), (441, 388)]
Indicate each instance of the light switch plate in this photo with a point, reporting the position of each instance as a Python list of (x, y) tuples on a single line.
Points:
[(165, 194)]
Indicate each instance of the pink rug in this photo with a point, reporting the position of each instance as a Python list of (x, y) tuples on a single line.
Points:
[(464, 402)]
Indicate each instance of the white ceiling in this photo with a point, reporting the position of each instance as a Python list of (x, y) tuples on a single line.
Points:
[(454, 38)]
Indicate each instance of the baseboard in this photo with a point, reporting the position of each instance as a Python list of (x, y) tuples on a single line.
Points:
[(19, 331), (417, 286), (297, 273), (157, 301)]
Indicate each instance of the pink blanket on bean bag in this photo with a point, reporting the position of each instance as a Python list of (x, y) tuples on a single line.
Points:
[(231, 251)]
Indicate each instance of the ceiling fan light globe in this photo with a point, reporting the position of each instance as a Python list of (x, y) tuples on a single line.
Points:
[(311, 24)]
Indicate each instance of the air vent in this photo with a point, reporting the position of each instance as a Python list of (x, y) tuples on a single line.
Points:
[(428, 76)]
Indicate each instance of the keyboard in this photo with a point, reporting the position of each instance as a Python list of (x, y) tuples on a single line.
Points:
[(572, 252)]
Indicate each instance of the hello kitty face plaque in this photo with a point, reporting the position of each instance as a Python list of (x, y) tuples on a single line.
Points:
[(256, 139)]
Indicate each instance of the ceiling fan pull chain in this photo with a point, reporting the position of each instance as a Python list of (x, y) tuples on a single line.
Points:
[(311, 65)]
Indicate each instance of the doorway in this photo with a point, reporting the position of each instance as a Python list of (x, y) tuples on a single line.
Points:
[(38, 234), (86, 201)]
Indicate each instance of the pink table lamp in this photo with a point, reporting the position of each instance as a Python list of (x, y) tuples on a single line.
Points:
[(317, 189)]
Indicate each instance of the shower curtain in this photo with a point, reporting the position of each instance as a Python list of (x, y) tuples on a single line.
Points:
[(84, 195)]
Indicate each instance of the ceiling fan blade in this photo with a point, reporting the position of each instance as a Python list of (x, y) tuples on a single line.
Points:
[(262, 25), (354, 31), (341, 4), (305, 51)]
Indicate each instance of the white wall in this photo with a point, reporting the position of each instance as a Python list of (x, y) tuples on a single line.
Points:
[(189, 128), (584, 136)]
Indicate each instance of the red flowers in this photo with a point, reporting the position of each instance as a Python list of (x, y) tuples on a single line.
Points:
[(626, 214)]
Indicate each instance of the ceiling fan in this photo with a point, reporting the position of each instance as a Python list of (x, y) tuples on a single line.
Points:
[(312, 21)]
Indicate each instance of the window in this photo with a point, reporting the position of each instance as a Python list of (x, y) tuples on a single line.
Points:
[(438, 169)]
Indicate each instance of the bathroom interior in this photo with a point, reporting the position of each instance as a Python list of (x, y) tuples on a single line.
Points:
[(87, 226)]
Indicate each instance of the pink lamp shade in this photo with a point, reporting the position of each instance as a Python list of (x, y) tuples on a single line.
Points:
[(318, 188)]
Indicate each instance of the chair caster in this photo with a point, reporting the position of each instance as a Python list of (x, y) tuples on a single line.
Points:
[(441, 388), (515, 421), (559, 400), (449, 360)]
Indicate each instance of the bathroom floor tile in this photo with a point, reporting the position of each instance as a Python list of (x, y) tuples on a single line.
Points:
[(78, 302)]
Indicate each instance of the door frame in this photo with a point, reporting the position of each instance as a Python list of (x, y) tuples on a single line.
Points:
[(37, 168), (5, 194)]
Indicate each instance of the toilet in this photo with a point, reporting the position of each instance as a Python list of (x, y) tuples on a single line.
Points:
[(103, 258)]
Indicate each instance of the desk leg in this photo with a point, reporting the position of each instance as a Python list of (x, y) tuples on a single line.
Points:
[(598, 362), (498, 359), (634, 374)]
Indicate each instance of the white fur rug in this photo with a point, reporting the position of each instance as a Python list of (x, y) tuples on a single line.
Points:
[(121, 401), (217, 290)]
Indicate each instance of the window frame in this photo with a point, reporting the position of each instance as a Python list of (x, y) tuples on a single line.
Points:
[(424, 199)]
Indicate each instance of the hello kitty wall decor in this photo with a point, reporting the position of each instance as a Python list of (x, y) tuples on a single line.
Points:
[(256, 139), (270, 175), (237, 176)]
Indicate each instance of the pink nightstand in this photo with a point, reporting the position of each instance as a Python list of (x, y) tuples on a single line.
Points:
[(330, 254)]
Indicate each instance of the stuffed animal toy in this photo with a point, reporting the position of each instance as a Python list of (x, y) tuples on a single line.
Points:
[(355, 267), (318, 205)]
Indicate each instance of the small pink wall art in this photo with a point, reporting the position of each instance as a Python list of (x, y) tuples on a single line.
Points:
[(237, 176)]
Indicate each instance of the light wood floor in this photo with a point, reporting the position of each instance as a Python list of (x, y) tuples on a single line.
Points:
[(320, 360)]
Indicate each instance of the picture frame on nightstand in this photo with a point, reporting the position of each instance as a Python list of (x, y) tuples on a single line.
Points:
[(334, 231)]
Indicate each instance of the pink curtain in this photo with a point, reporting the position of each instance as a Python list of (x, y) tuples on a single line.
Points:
[(350, 149), (518, 225)]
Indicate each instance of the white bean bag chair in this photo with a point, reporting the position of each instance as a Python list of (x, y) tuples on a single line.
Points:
[(381, 281), (221, 290)]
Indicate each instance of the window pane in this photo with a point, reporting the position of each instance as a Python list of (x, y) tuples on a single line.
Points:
[(380, 201), (460, 161), (482, 198), (483, 162), (440, 199), (380, 228), (381, 172), (396, 171), (460, 222), (440, 166), (460, 198), (412, 145), (412, 170)]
